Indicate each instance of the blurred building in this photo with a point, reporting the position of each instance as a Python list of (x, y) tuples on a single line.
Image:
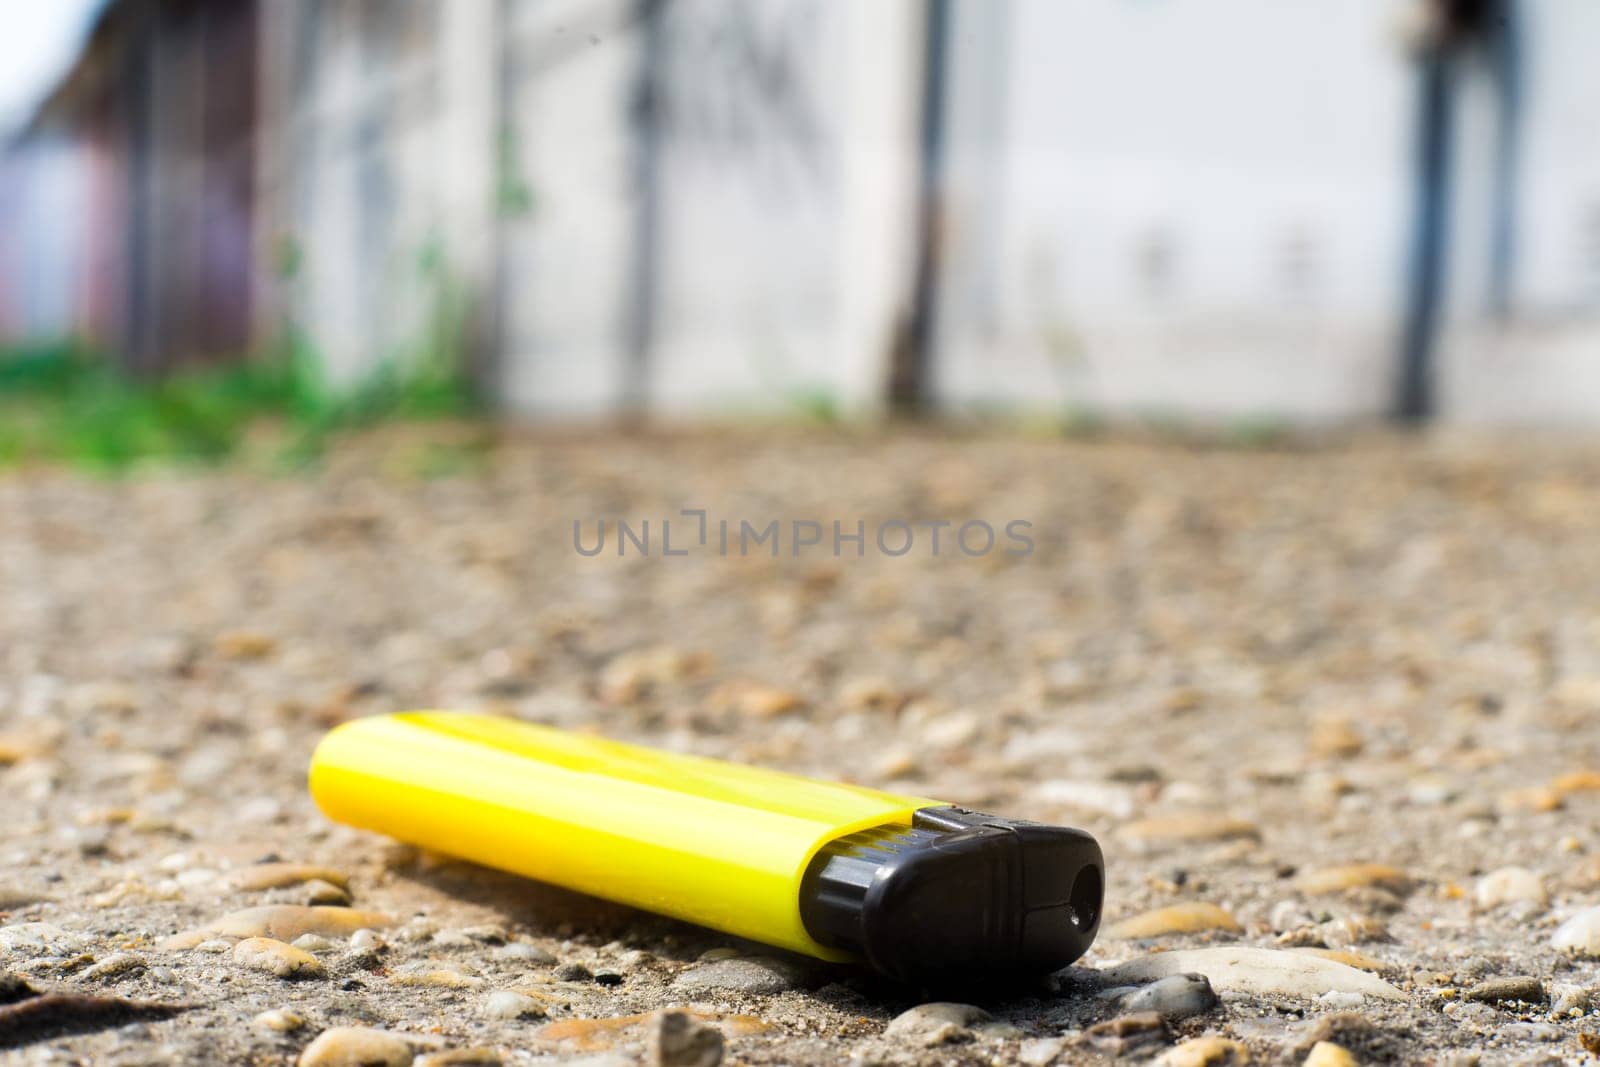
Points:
[(127, 203), (717, 206)]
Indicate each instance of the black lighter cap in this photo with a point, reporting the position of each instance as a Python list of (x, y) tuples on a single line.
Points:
[(957, 895)]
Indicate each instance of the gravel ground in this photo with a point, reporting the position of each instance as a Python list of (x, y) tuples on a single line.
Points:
[(1328, 708)]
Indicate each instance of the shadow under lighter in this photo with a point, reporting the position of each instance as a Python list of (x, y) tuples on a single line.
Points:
[(923, 890)]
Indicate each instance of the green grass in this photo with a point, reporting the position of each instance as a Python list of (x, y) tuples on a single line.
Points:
[(63, 404)]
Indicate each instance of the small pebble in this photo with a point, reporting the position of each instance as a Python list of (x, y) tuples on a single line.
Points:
[(508, 1004), (1334, 736), (13, 750), (676, 1040), (894, 763), (281, 1020), (1431, 791), (1186, 918), (1185, 828), (276, 958), (460, 1057), (1127, 1033), (38, 939), (1205, 1052), (1536, 799), (756, 976), (195, 876), (936, 1023), (1176, 997), (1569, 999), (573, 972), (282, 875), (1341, 1000), (1041, 1051), (119, 963), (1354, 930), (1523, 989), (1511, 885), (755, 699), (356, 1046), (366, 941), (871, 694), (1290, 915), (1579, 935), (319, 892), (13, 898), (522, 952), (424, 973), (1327, 880), (1585, 781), (245, 645), (313, 943), (1327, 1054)]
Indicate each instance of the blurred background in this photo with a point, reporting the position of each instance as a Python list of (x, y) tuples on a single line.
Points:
[(1248, 210)]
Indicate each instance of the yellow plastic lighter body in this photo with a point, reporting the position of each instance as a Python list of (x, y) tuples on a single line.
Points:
[(714, 843)]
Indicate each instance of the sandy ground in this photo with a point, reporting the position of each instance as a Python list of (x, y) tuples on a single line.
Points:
[(1332, 705)]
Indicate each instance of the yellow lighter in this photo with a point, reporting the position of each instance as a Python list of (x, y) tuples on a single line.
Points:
[(921, 889)]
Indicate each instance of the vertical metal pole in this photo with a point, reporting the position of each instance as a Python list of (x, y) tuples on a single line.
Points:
[(1430, 244), (643, 275), (912, 359), (1505, 60)]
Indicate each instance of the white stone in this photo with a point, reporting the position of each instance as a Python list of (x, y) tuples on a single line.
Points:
[(364, 940), (1580, 934), (936, 1023), (1177, 996), (507, 1004), (1567, 998), (1258, 971), (281, 1020), (38, 939), (1511, 885)]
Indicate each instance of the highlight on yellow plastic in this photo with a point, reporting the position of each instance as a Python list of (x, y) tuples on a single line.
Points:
[(715, 843)]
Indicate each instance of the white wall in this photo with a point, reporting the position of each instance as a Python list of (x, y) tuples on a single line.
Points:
[(1191, 207), (1199, 209), (782, 174), (564, 291), (355, 176), (788, 160), (1203, 208)]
